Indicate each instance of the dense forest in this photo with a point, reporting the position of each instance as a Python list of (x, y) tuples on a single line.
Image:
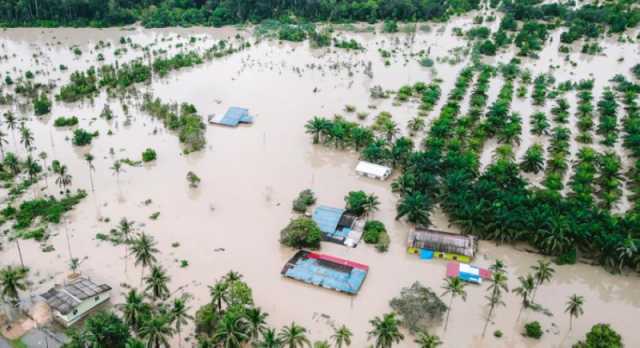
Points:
[(585, 20)]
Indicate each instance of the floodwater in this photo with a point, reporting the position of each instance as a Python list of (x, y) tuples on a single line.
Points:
[(251, 174)]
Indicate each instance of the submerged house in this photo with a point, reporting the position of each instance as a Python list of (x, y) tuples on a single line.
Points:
[(232, 117), (446, 245), (72, 301), (337, 225), (326, 271), (468, 273), (373, 170)]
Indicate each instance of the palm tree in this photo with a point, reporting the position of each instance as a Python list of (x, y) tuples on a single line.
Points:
[(231, 332), (256, 322), (321, 344), (543, 272), (219, 294), (124, 227), (317, 127), (89, 158), (498, 285), (294, 336), (574, 308), (26, 137), (33, 168), (385, 330), (416, 207), (157, 282), (12, 124), (533, 160), (134, 309), (12, 163), (43, 156), (3, 141), (232, 276), (12, 281), (180, 315), (143, 249), (455, 287), (370, 204), (342, 336), (117, 169), (424, 340), (157, 331), (64, 178), (390, 129), (269, 340), (527, 285), (498, 266)]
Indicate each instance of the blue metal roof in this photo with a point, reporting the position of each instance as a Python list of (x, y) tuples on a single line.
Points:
[(233, 116), (327, 218)]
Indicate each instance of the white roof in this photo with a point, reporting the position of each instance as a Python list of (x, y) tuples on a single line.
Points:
[(373, 169)]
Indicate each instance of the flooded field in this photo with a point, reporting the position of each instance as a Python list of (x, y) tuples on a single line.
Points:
[(250, 175)]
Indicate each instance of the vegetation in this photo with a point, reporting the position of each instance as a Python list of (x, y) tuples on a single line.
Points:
[(305, 199), (65, 121), (373, 229), (600, 336), (82, 137), (417, 306), (301, 233), (533, 330), (385, 331), (359, 203), (193, 179), (46, 209), (149, 155), (180, 118)]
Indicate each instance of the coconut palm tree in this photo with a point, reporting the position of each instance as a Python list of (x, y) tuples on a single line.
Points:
[(26, 137), (134, 309), (542, 272), (12, 281), (533, 160), (219, 294), (12, 163), (415, 206), (33, 168), (3, 141), (43, 157), (180, 315), (256, 322), (294, 336), (385, 330), (143, 249), (125, 227), (455, 287), (89, 158), (525, 290), (232, 276), (574, 308), (12, 124), (231, 332), (269, 340), (371, 204), (317, 127), (424, 340), (342, 336), (64, 178), (321, 344), (117, 169), (498, 285), (157, 331), (157, 282)]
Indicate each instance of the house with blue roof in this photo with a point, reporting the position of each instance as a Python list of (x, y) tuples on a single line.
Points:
[(232, 117), (337, 225)]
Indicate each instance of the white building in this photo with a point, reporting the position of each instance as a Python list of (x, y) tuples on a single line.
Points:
[(373, 170), (72, 301)]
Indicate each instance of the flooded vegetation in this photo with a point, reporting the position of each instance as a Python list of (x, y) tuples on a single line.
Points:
[(515, 124)]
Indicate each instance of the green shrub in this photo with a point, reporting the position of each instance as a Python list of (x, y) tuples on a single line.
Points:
[(533, 330), (568, 258), (304, 200), (383, 242), (82, 137), (390, 26), (193, 179), (149, 155), (601, 336), (41, 104), (372, 231), (49, 209), (35, 234), (497, 333), (65, 121), (301, 233)]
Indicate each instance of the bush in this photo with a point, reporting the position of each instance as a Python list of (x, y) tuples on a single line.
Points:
[(426, 62), (390, 26), (533, 330), (417, 307), (383, 242), (193, 179), (149, 155), (81, 137), (372, 231), (304, 200), (65, 121), (601, 336), (497, 333), (301, 233), (41, 105)]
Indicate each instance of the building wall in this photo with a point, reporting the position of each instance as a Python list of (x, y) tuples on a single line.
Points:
[(82, 309)]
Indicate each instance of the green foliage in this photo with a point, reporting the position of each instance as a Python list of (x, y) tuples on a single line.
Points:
[(82, 137), (102, 329), (183, 119), (193, 179), (163, 66), (65, 121), (48, 209), (418, 306), (390, 26), (497, 334), (301, 233), (601, 336), (373, 229), (383, 242), (533, 330), (487, 47), (351, 44), (305, 199), (149, 155), (41, 104)]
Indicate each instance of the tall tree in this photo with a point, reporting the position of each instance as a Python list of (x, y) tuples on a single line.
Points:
[(12, 124), (64, 178), (143, 249), (342, 336), (498, 285), (3, 141), (385, 330), (525, 290), (26, 137), (157, 330), (256, 322), (453, 286), (89, 159), (12, 281), (542, 272), (125, 228), (180, 315), (574, 308), (117, 169), (231, 332), (134, 309), (294, 336), (157, 283), (219, 294), (269, 340)]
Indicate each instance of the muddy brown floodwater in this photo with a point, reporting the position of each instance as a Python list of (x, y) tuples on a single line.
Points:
[(251, 174)]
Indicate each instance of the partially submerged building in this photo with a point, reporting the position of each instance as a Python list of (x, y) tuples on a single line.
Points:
[(373, 170), (468, 273), (326, 271), (232, 117), (72, 301), (337, 225), (446, 245)]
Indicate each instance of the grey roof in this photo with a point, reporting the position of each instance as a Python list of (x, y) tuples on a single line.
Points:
[(443, 241), (64, 299)]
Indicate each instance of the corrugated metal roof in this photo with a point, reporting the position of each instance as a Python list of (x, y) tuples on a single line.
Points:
[(232, 117), (327, 218), (372, 169), (443, 241), (64, 299)]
